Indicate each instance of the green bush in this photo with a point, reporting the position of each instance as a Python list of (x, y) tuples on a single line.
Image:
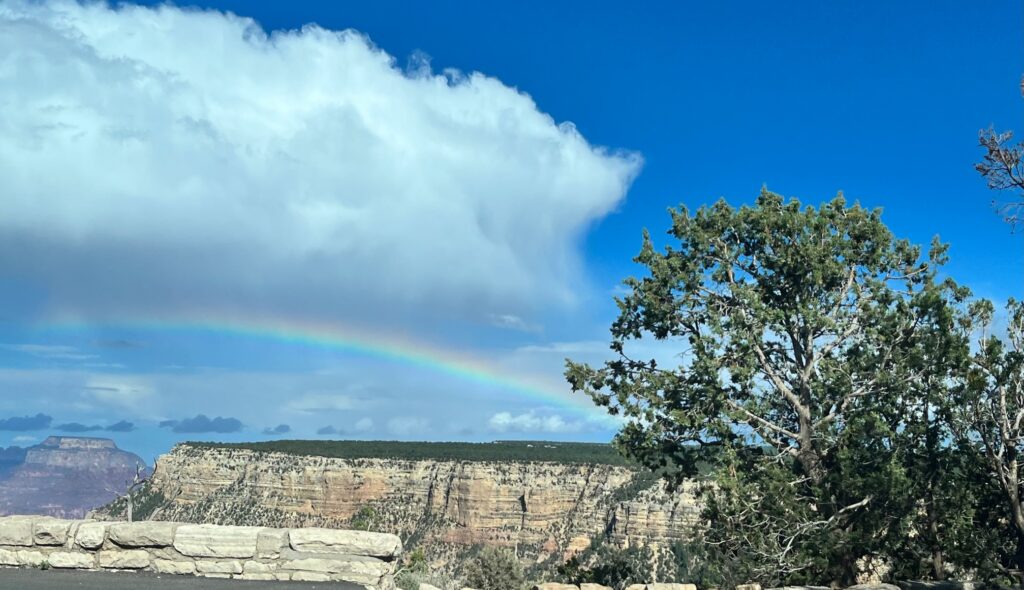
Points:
[(608, 565), (495, 568), (365, 519)]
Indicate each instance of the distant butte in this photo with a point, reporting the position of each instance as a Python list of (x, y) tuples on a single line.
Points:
[(64, 476)]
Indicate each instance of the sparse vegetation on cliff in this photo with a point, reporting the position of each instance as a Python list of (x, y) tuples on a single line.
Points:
[(147, 501), (499, 451), (495, 568)]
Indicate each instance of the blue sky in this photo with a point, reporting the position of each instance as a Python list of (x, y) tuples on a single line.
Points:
[(172, 170)]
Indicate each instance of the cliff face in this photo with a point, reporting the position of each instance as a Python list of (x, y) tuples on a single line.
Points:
[(65, 477), (544, 509)]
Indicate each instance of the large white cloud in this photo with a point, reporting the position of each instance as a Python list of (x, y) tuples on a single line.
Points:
[(162, 157)]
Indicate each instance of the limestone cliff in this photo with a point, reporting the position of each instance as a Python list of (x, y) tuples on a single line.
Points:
[(544, 509)]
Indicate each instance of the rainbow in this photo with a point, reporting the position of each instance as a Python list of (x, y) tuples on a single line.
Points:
[(387, 347)]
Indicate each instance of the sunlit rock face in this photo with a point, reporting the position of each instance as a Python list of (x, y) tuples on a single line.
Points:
[(544, 509), (64, 476)]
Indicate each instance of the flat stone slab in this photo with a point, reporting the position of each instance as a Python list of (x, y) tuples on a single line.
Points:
[(143, 534), (173, 567), (130, 559), (219, 567), (17, 530), (270, 543), (50, 531), (367, 571), (71, 560), (314, 540), (206, 540), (90, 535)]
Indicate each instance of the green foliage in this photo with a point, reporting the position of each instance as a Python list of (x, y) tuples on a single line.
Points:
[(696, 562), (147, 500), (807, 340), (415, 571), (365, 519), (1003, 169), (987, 417), (495, 568), (416, 561), (608, 565), (499, 451)]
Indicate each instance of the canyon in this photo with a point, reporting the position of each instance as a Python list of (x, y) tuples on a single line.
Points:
[(63, 476), (545, 510)]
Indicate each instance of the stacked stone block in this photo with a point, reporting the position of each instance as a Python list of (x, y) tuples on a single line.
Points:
[(248, 553)]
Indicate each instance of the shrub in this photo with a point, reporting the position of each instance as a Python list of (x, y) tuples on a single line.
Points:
[(495, 568)]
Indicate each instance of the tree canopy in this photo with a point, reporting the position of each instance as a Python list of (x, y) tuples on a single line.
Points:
[(802, 335)]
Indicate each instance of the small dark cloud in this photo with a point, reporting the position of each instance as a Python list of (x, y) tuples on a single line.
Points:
[(279, 429), (26, 423), (117, 343), (78, 427), (327, 430), (121, 426), (74, 427), (202, 424), (56, 352)]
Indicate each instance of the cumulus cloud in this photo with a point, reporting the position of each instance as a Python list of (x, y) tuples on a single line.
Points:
[(202, 424), (505, 422), (279, 172), (510, 321), (24, 423), (277, 430), (407, 425)]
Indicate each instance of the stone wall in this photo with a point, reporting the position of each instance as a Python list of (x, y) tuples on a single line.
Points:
[(248, 553)]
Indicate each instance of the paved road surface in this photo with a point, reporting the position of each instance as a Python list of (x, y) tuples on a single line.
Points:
[(31, 579)]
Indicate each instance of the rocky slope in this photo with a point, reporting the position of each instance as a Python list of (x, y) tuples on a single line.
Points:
[(64, 476), (543, 509)]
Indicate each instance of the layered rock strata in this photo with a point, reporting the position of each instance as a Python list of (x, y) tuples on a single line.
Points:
[(247, 553), (543, 509), (64, 476)]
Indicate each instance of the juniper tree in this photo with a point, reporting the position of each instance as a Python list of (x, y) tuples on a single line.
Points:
[(795, 328), (1003, 169), (989, 410)]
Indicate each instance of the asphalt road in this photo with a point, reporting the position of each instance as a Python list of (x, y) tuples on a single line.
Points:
[(32, 579)]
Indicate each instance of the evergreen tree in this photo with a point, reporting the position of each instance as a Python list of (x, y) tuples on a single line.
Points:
[(798, 336)]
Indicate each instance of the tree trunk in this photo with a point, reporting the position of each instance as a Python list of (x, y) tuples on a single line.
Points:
[(847, 574), (934, 468), (808, 456), (938, 558)]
